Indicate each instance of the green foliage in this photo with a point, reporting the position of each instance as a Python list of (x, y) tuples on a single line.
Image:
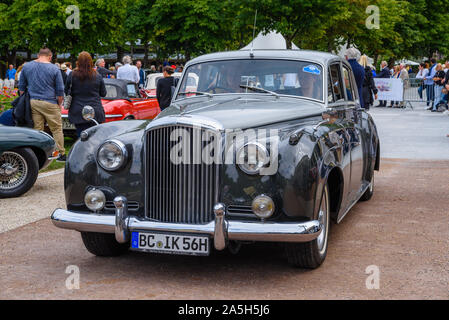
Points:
[(192, 27), (32, 24)]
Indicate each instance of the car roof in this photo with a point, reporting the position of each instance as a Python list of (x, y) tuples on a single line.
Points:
[(118, 82), (309, 55)]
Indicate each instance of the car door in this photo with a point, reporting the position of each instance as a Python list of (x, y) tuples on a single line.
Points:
[(353, 121), (339, 136), (142, 108)]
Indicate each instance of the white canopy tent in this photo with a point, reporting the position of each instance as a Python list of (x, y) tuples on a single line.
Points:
[(272, 40), (408, 62)]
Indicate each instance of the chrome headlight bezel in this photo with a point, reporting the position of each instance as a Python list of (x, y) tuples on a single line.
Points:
[(122, 153), (244, 165)]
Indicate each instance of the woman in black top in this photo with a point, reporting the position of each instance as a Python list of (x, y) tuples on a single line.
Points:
[(164, 88), (369, 87), (86, 87)]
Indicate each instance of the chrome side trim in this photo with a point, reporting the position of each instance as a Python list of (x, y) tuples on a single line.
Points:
[(353, 204)]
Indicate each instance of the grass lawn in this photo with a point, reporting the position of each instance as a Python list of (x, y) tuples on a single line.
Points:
[(68, 143)]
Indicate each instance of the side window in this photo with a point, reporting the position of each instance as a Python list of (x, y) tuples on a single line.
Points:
[(348, 84), (132, 92), (330, 92), (111, 91), (335, 84)]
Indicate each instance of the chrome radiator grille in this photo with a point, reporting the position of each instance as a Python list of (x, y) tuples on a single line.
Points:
[(184, 193)]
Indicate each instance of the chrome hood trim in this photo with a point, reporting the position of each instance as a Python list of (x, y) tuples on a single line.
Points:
[(188, 120)]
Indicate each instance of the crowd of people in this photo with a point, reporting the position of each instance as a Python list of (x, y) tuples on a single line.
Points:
[(435, 78), (48, 85)]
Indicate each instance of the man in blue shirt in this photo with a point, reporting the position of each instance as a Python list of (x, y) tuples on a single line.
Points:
[(43, 80), (6, 118), (429, 83), (11, 73), (352, 55), (141, 74)]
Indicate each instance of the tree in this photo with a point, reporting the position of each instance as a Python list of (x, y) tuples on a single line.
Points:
[(138, 25), (189, 27), (295, 19), (47, 23)]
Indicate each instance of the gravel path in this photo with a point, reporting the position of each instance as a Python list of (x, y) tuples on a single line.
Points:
[(38, 203), (403, 230)]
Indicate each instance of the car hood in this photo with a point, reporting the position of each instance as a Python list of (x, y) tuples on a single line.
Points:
[(107, 105), (240, 112)]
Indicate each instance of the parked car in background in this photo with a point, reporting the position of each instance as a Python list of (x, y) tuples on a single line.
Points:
[(153, 78), (269, 146), (124, 101), (23, 152)]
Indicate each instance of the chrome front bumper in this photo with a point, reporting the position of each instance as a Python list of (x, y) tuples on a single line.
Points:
[(222, 230)]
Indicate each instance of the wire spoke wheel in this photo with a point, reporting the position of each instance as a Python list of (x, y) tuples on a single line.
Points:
[(13, 170)]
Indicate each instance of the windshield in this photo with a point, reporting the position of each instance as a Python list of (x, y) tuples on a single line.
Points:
[(284, 77), (111, 91)]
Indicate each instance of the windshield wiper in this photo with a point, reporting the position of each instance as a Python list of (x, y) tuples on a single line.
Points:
[(210, 95), (260, 90)]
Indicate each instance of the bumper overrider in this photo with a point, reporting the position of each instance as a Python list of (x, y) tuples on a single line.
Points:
[(221, 229)]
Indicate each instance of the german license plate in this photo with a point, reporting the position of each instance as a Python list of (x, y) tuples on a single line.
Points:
[(170, 243), (66, 125)]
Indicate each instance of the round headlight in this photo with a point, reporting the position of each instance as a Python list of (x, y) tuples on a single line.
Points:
[(112, 155), (263, 206), (252, 157), (95, 199)]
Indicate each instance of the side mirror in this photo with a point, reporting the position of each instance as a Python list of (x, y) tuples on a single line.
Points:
[(88, 114)]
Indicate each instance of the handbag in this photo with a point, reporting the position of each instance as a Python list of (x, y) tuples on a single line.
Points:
[(68, 96)]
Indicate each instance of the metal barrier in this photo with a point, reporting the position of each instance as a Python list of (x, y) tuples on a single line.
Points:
[(414, 91)]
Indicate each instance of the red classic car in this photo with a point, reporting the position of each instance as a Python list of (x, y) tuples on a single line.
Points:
[(123, 101)]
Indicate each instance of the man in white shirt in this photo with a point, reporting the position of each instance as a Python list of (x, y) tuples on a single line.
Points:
[(69, 67), (422, 73), (128, 71)]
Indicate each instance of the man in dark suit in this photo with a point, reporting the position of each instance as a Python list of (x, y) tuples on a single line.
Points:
[(352, 55), (100, 64), (385, 74)]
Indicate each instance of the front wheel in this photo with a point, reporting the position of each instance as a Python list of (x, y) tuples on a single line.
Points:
[(312, 254), (103, 244), (18, 172)]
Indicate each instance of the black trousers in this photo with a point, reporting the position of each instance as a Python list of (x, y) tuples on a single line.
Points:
[(83, 126)]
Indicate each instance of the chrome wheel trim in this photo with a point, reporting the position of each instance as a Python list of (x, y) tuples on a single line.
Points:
[(371, 185), (323, 217), (13, 170)]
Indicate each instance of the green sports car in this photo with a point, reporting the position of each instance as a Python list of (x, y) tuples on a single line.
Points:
[(23, 152)]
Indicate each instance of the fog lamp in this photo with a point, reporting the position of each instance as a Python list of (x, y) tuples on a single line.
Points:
[(263, 206), (95, 199)]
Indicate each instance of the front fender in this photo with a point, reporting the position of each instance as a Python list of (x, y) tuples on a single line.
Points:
[(83, 172)]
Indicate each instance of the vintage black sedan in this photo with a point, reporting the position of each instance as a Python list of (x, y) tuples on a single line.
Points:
[(23, 152), (269, 146)]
